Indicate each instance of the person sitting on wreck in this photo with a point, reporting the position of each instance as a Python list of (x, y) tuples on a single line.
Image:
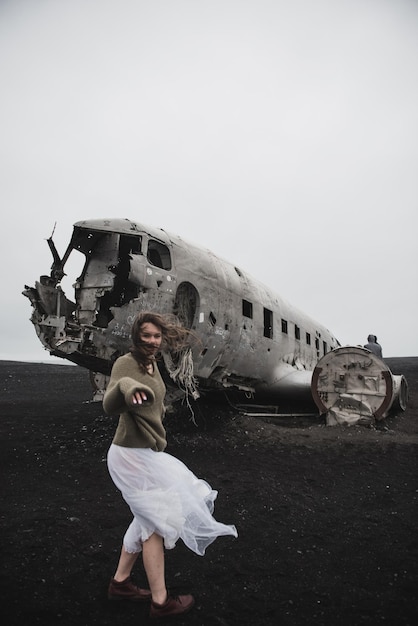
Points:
[(373, 346), (167, 500)]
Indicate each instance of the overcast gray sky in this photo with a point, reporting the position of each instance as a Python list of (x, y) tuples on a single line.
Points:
[(280, 134)]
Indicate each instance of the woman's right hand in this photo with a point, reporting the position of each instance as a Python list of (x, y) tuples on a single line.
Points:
[(139, 397)]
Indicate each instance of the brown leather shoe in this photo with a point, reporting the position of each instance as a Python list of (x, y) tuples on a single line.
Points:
[(126, 590), (174, 605)]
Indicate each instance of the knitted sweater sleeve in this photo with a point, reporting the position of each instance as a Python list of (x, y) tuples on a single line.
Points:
[(121, 388)]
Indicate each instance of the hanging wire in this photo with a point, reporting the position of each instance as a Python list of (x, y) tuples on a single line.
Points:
[(181, 371)]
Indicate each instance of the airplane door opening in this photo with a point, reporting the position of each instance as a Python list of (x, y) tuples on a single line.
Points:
[(179, 365), (186, 304)]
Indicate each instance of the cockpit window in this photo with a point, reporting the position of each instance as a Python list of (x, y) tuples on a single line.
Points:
[(159, 255)]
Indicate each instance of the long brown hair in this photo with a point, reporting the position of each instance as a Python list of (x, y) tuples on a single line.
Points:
[(174, 335)]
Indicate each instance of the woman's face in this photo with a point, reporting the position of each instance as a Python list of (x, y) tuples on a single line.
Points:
[(150, 335)]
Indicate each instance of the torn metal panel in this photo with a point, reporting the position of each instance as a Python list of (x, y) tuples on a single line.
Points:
[(351, 385)]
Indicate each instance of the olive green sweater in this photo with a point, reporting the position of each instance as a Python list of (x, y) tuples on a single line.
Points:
[(140, 426)]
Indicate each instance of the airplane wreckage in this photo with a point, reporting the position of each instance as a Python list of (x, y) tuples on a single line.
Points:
[(266, 355)]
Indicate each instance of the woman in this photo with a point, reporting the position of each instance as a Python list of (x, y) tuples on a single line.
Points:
[(167, 500)]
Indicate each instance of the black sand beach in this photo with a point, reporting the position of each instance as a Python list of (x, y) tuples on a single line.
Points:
[(327, 517)]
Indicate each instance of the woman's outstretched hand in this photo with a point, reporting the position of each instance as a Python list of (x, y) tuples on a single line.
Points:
[(139, 397)]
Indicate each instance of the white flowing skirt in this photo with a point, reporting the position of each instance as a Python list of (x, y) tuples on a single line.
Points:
[(165, 498)]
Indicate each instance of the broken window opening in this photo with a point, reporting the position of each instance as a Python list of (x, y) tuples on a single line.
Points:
[(212, 318), (284, 326), (297, 332), (325, 346), (159, 255), (247, 309), (132, 243), (123, 290), (308, 339), (268, 323), (85, 241)]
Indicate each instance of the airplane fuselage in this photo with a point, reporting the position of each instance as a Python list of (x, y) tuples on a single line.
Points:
[(249, 337)]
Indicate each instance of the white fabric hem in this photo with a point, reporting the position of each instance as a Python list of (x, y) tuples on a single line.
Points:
[(165, 498)]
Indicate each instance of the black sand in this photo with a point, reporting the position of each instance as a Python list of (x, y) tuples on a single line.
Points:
[(327, 517)]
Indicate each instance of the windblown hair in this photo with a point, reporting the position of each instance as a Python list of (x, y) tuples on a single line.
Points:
[(174, 335)]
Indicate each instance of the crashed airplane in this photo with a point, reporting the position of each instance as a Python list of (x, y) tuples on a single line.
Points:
[(251, 343)]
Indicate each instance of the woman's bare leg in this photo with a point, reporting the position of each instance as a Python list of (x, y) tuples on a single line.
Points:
[(153, 557), (125, 566)]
